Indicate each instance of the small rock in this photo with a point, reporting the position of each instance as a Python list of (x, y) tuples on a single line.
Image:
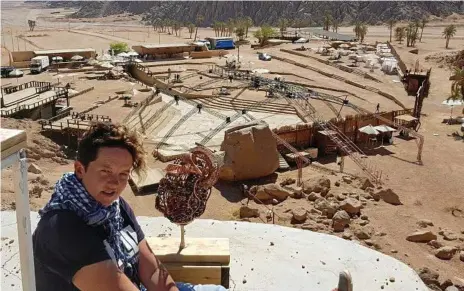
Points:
[(347, 235), (340, 220), (325, 206), (449, 236), (313, 196), (435, 244), (369, 242), (248, 212), (366, 183), (340, 196), (362, 234), (350, 205), (445, 253), (299, 215), (421, 236), (244, 281), (394, 251), (315, 211), (337, 183), (461, 256), (424, 223), (451, 288), (446, 284), (364, 217), (275, 201), (287, 181), (389, 196), (310, 226), (428, 276), (271, 244), (364, 222), (295, 191), (392, 279), (347, 179), (33, 168)]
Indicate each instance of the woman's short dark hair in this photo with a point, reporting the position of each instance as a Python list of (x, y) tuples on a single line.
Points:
[(106, 134)]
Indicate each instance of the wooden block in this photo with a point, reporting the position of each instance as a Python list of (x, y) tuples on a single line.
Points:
[(12, 140), (196, 251), (147, 182), (198, 274)]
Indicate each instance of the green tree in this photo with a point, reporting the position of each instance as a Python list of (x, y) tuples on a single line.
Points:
[(199, 20), (448, 33), (248, 23), (400, 33), (119, 47), (363, 32), (327, 20), (411, 34), (283, 24), (391, 23), (264, 33), (191, 29), (335, 25), (423, 23), (240, 32), (230, 25)]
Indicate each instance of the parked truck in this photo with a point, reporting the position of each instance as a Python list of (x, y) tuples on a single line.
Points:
[(39, 64)]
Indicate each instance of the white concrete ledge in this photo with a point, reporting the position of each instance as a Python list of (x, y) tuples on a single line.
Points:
[(264, 267)]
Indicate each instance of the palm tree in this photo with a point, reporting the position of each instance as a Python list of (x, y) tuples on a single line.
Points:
[(423, 23), (248, 23), (191, 28), (327, 20), (457, 87), (363, 32), (199, 20), (283, 24), (399, 33), (448, 33), (391, 23), (230, 26), (335, 25)]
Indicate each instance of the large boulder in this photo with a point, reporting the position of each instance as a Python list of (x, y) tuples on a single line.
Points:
[(327, 208), (421, 236), (340, 220), (248, 212), (389, 196), (268, 192), (250, 152), (351, 205), (317, 185), (445, 253)]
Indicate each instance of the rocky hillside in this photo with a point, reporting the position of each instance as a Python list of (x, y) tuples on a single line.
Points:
[(373, 12)]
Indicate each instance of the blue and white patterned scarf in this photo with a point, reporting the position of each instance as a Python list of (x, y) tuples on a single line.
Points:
[(71, 195)]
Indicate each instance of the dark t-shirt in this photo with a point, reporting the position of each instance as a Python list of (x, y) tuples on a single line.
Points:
[(63, 243)]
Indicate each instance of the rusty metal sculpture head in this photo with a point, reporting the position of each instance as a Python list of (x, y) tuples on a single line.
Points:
[(186, 187)]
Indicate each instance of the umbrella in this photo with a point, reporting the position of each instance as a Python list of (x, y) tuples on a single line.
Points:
[(451, 103), (384, 128), (369, 129), (106, 65), (124, 55), (132, 54), (77, 58)]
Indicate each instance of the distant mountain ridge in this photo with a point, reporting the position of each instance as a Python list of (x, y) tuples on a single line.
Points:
[(372, 12)]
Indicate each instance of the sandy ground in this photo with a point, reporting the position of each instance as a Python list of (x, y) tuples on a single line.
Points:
[(430, 191)]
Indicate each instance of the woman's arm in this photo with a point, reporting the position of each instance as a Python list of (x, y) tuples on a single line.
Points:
[(102, 276), (152, 273)]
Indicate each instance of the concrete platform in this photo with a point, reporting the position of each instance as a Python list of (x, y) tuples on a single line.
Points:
[(297, 260)]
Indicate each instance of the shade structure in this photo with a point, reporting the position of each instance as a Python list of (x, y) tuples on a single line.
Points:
[(57, 58), (384, 128), (123, 55), (106, 65), (137, 60), (77, 58), (16, 73), (369, 129)]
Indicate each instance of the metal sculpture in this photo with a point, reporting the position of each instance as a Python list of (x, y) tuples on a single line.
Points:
[(186, 187)]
